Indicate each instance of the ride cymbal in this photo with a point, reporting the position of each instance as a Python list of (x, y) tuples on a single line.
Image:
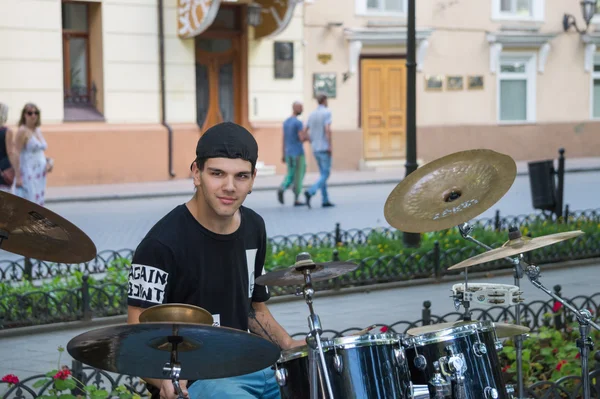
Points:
[(176, 313), (294, 275), (503, 330), (35, 232), (449, 191), (204, 352), (515, 247)]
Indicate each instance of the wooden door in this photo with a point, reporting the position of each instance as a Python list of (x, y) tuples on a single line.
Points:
[(222, 70), (383, 108), (217, 77)]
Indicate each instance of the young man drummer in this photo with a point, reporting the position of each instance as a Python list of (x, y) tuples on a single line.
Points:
[(207, 252)]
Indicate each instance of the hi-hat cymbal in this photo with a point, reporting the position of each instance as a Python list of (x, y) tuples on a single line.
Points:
[(204, 352), (516, 246), (294, 275), (449, 191), (176, 313), (38, 233), (503, 330)]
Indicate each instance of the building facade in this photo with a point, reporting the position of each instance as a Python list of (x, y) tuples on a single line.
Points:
[(499, 74), (126, 87), (123, 100)]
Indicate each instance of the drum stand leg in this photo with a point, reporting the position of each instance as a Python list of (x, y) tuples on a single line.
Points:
[(173, 368), (584, 318), (465, 231), (315, 330)]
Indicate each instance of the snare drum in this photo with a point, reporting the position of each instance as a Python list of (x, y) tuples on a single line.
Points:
[(460, 358), (366, 366)]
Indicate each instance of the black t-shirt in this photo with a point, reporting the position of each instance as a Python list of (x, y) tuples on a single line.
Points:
[(180, 261)]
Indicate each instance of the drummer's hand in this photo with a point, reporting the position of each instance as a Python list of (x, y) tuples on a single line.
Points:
[(297, 342), (167, 390)]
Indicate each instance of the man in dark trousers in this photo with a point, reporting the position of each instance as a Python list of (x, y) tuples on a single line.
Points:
[(207, 252), (293, 154)]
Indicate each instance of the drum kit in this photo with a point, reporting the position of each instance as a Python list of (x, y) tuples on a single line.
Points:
[(454, 360)]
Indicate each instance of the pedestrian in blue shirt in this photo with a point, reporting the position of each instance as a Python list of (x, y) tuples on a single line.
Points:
[(318, 128), (293, 154)]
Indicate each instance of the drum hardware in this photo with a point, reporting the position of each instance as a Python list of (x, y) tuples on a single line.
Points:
[(305, 265), (584, 318), (35, 232), (338, 364), (513, 234), (440, 386), (516, 245), (510, 390), (421, 392), (281, 375)]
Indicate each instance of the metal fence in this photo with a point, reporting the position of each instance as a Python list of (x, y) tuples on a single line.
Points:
[(534, 314), (108, 299), (31, 269), (569, 387)]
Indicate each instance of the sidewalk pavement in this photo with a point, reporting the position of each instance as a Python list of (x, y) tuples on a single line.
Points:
[(184, 187)]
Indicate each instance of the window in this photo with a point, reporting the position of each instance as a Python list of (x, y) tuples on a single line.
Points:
[(596, 90), (76, 54), (526, 10), (381, 7), (516, 88)]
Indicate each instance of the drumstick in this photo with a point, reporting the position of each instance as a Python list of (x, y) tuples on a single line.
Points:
[(365, 330)]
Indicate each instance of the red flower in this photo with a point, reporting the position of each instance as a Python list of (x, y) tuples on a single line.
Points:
[(555, 351), (578, 355), (63, 374), (383, 329), (557, 306), (11, 379), (505, 368), (560, 364)]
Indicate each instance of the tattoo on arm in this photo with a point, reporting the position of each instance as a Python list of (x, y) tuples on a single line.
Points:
[(258, 328)]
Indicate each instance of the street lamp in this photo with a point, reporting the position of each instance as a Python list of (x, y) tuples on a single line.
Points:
[(588, 9), (254, 14)]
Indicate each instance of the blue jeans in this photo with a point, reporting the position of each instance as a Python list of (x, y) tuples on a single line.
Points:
[(324, 162), (260, 384)]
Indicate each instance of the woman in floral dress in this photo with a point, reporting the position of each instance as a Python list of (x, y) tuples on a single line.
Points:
[(32, 164)]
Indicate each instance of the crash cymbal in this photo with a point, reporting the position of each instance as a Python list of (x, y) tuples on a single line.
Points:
[(294, 275), (503, 330), (449, 191), (38, 233), (176, 313), (204, 352), (516, 246)]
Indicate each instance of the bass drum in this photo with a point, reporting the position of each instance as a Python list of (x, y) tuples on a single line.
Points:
[(456, 362), (366, 366)]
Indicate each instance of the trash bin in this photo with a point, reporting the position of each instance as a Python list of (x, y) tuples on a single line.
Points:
[(543, 187)]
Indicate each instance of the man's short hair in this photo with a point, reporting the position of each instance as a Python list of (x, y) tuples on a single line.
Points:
[(321, 98)]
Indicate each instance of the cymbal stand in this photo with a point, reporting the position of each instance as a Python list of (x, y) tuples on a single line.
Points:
[(513, 232), (584, 318), (315, 330), (173, 368)]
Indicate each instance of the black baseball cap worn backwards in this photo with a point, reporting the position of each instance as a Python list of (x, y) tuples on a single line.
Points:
[(227, 140)]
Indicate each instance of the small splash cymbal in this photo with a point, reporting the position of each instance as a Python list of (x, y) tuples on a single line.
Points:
[(515, 247), (295, 276), (449, 191), (35, 232), (503, 330), (176, 313)]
